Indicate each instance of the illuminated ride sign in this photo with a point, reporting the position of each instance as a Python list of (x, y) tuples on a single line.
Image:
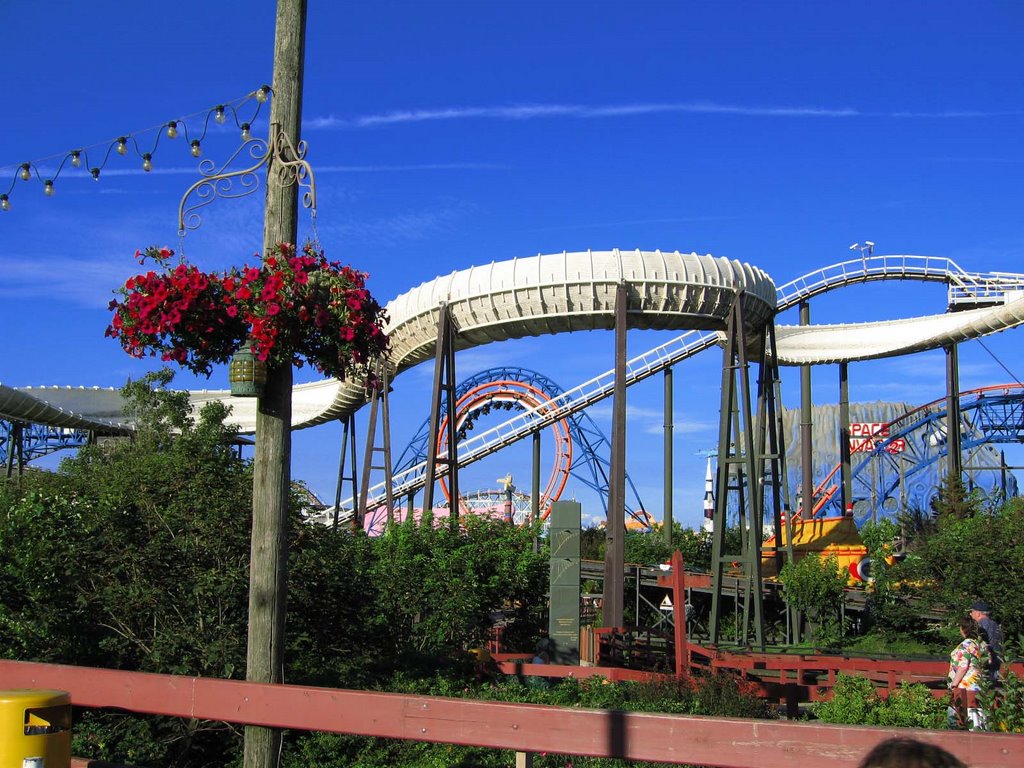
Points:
[(866, 435)]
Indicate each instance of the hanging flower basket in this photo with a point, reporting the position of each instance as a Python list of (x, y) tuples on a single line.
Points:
[(293, 308)]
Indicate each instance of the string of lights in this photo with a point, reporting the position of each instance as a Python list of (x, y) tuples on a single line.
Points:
[(185, 127)]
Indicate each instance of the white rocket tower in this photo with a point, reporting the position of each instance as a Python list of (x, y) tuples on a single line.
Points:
[(709, 499)]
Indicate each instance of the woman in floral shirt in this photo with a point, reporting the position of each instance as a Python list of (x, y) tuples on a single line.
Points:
[(967, 665)]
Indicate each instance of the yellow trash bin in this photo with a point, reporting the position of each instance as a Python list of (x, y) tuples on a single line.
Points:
[(35, 729)]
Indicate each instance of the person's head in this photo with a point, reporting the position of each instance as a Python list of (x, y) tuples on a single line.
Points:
[(902, 752), (969, 627), (979, 610)]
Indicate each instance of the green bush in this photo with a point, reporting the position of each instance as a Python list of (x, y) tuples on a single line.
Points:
[(853, 699), (814, 586), (856, 702), (882, 643), (911, 705), (1005, 704)]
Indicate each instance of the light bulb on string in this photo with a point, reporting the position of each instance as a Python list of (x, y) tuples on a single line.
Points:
[(25, 173), (219, 116), (76, 159), (95, 174), (196, 149), (48, 187), (5, 204), (172, 130), (122, 146), (261, 93), (147, 162), (246, 135)]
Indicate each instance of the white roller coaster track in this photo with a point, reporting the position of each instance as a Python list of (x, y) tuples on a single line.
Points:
[(858, 341), (575, 291)]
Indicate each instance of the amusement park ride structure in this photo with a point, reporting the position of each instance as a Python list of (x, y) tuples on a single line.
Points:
[(713, 301)]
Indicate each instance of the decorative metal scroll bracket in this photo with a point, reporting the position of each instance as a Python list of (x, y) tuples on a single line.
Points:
[(286, 165)]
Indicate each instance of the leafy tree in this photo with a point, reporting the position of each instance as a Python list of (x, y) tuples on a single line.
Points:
[(954, 501), (592, 541), (134, 555), (814, 586), (649, 548), (890, 614), (438, 588), (969, 557)]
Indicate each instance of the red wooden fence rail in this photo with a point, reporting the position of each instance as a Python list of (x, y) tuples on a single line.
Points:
[(522, 727)]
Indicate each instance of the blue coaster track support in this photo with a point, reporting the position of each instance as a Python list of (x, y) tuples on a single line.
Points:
[(590, 466), (21, 443), (903, 469)]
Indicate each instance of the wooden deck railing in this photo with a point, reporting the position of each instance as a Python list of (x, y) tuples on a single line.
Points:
[(524, 728)]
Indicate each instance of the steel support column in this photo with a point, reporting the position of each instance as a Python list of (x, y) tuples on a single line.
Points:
[(668, 480), (16, 448), (378, 401), (954, 466), (444, 388), (535, 489), (846, 475), (806, 506), (741, 469), (348, 447), (615, 529), (771, 446)]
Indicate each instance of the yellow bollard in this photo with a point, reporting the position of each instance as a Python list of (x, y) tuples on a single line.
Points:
[(35, 729)]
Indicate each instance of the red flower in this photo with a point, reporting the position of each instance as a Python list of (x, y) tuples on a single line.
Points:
[(181, 313)]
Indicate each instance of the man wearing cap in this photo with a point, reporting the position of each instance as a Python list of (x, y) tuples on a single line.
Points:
[(980, 613)]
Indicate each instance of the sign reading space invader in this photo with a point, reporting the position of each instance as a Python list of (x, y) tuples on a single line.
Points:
[(564, 613)]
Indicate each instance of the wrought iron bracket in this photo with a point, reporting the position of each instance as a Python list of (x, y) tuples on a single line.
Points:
[(286, 165)]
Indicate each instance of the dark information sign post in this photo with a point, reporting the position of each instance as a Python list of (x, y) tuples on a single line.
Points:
[(564, 616)]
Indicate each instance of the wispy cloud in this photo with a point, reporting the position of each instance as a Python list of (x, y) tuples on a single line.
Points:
[(400, 227), (81, 282), (534, 111), (413, 167), (586, 111)]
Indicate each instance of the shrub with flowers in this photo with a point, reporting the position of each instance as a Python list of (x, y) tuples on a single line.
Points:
[(295, 307)]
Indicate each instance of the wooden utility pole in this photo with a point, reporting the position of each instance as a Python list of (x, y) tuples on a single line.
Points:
[(268, 568)]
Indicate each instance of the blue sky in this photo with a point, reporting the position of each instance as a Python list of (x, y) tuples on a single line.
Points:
[(448, 134)]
